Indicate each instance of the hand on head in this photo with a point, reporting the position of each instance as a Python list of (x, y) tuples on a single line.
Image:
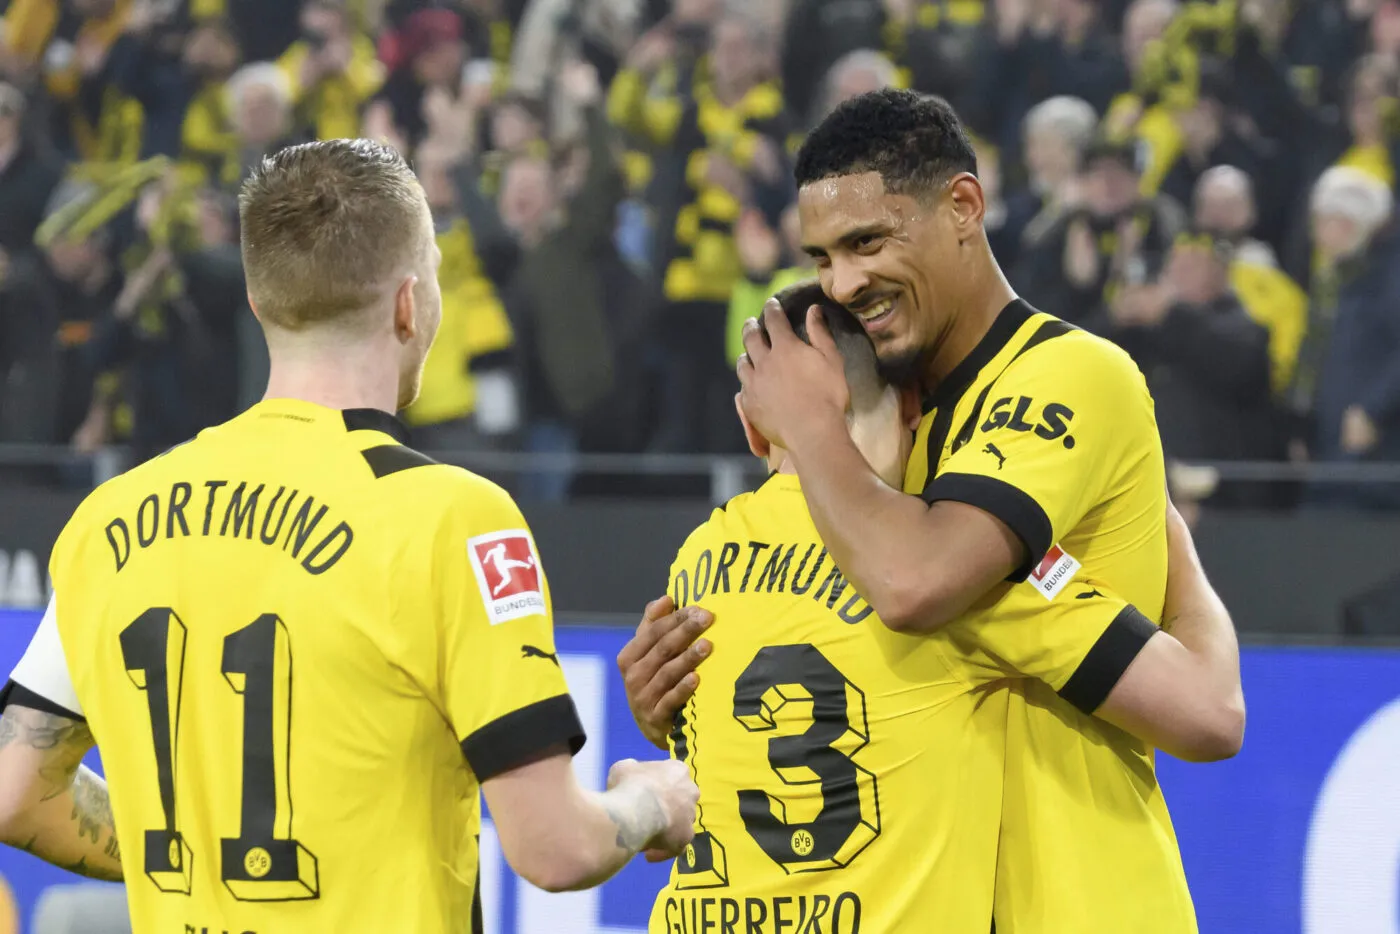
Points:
[(790, 386)]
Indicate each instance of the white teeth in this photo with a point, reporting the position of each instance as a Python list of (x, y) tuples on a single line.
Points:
[(875, 311)]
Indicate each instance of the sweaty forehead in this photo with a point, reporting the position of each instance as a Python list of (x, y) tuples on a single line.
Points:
[(830, 209)]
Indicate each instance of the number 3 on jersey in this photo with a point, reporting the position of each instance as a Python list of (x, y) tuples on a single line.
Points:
[(264, 862), (820, 719), (796, 683)]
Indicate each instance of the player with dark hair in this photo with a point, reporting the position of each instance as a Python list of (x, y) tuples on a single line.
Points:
[(828, 749), (306, 650), (1037, 484)]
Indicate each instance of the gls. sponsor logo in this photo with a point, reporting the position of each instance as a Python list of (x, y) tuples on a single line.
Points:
[(1010, 412)]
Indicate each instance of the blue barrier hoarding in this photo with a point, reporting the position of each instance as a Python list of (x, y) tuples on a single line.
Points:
[(1299, 833)]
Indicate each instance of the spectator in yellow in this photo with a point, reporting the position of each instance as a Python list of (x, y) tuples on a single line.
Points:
[(332, 71), (1135, 113), (1371, 115), (103, 124), (725, 144), (467, 398), (773, 260), (1224, 209)]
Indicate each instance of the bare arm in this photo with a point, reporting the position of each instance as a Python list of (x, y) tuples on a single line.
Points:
[(50, 804), (561, 837), (919, 566), (1182, 693)]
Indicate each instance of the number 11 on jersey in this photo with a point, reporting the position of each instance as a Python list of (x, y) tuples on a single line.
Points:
[(264, 862)]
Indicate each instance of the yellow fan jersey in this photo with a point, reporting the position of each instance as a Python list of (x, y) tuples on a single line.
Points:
[(850, 777), (1052, 431), (301, 646)]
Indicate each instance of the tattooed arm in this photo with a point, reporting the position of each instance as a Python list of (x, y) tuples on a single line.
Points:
[(561, 837), (52, 805)]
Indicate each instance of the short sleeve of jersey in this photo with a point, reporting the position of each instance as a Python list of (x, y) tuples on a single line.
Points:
[(1080, 644), (41, 680), (1053, 433), (503, 687)]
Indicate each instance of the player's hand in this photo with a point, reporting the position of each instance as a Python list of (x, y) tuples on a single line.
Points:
[(658, 665), (669, 782), (790, 386)]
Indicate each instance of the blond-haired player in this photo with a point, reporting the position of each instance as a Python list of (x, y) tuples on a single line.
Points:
[(304, 648)]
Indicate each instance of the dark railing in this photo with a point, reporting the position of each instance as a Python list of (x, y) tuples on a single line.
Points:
[(727, 474)]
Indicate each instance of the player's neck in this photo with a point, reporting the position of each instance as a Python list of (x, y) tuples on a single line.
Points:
[(781, 463), (342, 379), (987, 295)]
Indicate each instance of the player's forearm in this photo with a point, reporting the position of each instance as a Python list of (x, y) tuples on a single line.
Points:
[(633, 816), (50, 804), (560, 837), (598, 835), (880, 538), (1182, 691), (1196, 617), (73, 830)]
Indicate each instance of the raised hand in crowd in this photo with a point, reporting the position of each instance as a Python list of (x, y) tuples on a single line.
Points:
[(758, 244), (1081, 254), (721, 172), (767, 160), (653, 49), (579, 82)]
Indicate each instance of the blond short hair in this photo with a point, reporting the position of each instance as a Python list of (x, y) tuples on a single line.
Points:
[(326, 229)]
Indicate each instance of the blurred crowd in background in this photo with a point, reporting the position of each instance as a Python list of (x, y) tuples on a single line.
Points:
[(1208, 184)]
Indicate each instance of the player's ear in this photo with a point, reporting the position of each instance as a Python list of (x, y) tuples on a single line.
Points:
[(405, 310), (911, 409), (757, 443), (969, 201)]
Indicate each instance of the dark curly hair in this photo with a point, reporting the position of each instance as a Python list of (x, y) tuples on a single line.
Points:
[(915, 141)]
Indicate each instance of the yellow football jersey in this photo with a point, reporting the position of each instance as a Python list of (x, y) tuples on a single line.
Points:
[(1052, 430), (850, 777), (301, 646)]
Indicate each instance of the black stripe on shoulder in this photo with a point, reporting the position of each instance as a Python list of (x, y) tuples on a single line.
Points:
[(16, 693), (1016, 508), (375, 420), (1047, 331), (1111, 655), (520, 735), (389, 459)]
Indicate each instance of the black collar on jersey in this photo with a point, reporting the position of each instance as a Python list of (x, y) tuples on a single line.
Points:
[(375, 420), (1007, 323)]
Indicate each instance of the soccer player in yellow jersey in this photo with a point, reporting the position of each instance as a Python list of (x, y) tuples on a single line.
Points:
[(303, 648), (803, 677), (1037, 466), (1037, 471)]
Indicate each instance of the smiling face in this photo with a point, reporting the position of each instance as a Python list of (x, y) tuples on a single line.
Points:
[(890, 258)]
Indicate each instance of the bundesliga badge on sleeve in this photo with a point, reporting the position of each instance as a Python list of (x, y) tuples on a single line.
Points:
[(1055, 570), (508, 573)]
